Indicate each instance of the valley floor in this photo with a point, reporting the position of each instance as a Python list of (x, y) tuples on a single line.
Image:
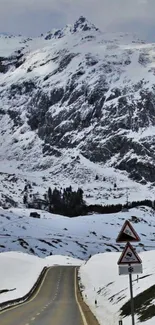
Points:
[(77, 237)]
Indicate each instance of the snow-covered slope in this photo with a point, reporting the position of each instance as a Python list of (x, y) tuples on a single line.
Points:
[(76, 237), (73, 96), (100, 280), (110, 187), (18, 274), (20, 271)]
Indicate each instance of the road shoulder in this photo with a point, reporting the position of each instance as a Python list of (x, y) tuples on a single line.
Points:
[(89, 316)]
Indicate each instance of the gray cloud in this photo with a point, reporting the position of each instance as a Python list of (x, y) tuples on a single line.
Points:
[(33, 17)]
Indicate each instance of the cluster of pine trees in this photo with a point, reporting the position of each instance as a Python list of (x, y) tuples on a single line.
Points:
[(66, 201), (71, 203)]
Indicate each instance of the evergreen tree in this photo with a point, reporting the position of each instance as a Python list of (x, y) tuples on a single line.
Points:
[(80, 196), (49, 194), (25, 198), (56, 197)]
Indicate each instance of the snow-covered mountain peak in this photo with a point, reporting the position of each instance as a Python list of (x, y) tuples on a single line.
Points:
[(81, 25), (78, 89)]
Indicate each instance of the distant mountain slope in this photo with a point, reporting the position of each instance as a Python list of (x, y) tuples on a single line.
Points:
[(78, 92)]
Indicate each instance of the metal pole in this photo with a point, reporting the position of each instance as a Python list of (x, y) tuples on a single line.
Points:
[(132, 301)]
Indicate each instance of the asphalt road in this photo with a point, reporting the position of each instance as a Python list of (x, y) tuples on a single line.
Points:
[(54, 303)]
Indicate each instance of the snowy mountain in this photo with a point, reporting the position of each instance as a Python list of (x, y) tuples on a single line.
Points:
[(75, 103), (75, 237)]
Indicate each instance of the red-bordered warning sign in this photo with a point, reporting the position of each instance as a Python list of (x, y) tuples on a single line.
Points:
[(129, 256), (127, 234)]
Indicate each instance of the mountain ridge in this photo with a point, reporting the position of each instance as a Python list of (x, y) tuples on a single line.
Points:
[(79, 93)]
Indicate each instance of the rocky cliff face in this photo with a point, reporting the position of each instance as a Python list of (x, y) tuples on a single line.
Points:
[(79, 89)]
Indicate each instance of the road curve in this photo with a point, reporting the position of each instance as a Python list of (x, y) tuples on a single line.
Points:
[(54, 303)]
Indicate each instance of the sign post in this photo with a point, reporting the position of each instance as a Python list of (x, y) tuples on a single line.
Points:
[(132, 300), (129, 261)]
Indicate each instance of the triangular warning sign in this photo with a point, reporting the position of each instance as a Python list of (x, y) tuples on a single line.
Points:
[(129, 256), (127, 234)]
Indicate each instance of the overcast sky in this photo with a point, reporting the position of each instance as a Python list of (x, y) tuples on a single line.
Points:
[(33, 17)]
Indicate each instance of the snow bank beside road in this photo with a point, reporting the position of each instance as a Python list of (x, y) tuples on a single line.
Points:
[(101, 281), (62, 260), (19, 272)]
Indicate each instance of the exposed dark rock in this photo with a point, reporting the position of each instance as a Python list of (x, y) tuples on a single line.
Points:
[(83, 24), (83, 94), (65, 61), (15, 116)]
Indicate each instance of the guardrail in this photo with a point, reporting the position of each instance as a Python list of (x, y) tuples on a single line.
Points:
[(10, 303)]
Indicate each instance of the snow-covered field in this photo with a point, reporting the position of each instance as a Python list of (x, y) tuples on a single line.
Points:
[(76, 237), (100, 280), (19, 272)]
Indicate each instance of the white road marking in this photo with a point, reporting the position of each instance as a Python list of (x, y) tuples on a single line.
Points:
[(27, 302), (80, 309), (35, 295), (43, 308)]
